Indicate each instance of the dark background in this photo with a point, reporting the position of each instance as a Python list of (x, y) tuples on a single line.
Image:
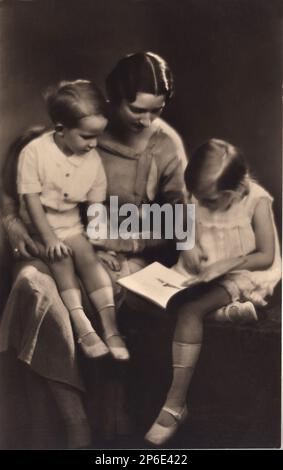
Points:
[(226, 58), (225, 55)]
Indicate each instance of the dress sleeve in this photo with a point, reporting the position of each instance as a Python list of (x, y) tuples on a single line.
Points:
[(98, 191), (28, 181), (176, 140), (171, 187), (256, 193), (171, 184)]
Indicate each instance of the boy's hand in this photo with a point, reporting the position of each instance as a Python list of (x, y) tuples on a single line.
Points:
[(193, 259), (57, 250)]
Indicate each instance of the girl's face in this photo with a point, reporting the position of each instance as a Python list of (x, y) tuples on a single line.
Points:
[(138, 115), (207, 192), (215, 200), (80, 140)]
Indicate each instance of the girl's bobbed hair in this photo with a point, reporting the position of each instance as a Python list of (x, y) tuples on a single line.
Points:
[(68, 102), (139, 72), (230, 174)]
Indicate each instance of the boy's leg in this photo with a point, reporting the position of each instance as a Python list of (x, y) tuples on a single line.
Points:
[(64, 274), (98, 285)]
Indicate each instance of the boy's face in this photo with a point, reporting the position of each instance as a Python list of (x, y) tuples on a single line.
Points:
[(80, 140), (138, 115)]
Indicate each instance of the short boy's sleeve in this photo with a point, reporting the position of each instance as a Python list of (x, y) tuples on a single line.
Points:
[(98, 191), (28, 181)]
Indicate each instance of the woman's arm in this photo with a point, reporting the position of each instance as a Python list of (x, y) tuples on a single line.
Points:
[(16, 231), (181, 152), (263, 226), (54, 247)]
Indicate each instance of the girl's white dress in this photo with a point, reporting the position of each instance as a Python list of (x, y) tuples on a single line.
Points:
[(229, 234)]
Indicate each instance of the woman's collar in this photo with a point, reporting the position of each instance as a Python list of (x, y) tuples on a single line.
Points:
[(106, 141)]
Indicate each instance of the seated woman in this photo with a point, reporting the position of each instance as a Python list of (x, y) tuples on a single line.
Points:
[(144, 159)]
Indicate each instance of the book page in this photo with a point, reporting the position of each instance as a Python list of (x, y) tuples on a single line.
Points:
[(210, 272), (155, 282), (158, 283)]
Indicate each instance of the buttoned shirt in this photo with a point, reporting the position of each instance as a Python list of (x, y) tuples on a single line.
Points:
[(61, 181)]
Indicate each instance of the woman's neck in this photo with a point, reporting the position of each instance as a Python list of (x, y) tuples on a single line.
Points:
[(136, 141)]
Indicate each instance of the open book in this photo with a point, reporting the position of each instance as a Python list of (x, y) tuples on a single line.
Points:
[(159, 284)]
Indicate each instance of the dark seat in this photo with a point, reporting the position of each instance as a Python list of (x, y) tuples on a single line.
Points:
[(235, 394)]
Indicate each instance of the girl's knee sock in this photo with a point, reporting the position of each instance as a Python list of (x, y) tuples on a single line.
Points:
[(185, 356)]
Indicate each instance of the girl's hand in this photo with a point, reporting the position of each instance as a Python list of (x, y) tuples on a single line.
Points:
[(57, 250), (193, 259), (110, 259)]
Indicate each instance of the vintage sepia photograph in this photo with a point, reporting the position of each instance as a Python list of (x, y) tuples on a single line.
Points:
[(140, 224)]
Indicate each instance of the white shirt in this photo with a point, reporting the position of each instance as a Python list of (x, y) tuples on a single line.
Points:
[(62, 181)]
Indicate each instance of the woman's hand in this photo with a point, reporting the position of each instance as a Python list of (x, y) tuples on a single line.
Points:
[(20, 241), (55, 249), (117, 245), (193, 259), (110, 259)]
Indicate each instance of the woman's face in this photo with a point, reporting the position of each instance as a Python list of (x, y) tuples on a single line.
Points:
[(138, 115)]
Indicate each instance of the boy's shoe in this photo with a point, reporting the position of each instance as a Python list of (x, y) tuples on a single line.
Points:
[(120, 353), (94, 347)]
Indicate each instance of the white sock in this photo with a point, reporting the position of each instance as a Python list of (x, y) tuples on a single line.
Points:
[(185, 357), (185, 354), (73, 301), (102, 298)]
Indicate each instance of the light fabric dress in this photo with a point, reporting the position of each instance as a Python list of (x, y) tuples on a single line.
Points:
[(229, 234)]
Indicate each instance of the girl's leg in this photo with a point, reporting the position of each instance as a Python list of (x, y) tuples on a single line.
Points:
[(64, 274), (186, 347), (99, 288)]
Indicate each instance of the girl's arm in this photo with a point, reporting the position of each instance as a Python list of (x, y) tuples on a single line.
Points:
[(193, 259), (262, 258), (54, 247)]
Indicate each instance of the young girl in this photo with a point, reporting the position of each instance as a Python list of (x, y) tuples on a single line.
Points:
[(56, 171), (234, 219)]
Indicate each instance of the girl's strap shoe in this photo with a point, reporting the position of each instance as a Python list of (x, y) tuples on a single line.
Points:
[(158, 434)]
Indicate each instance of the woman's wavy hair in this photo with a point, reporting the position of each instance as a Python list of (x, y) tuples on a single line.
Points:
[(232, 170), (139, 72)]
